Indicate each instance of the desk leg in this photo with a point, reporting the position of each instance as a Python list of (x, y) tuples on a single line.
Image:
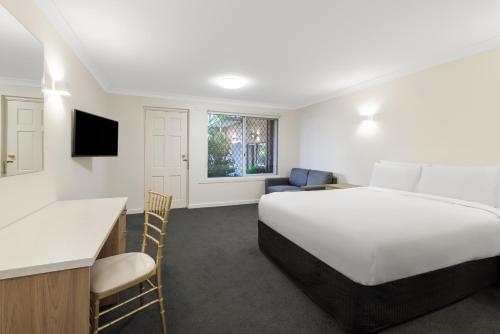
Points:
[(50, 303)]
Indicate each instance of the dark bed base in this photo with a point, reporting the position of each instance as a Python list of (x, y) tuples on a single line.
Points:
[(365, 309)]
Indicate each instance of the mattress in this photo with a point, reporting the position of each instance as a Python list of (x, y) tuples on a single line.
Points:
[(374, 235)]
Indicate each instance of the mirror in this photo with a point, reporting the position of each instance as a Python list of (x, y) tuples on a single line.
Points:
[(21, 98)]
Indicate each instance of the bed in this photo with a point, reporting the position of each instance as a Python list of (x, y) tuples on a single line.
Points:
[(375, 257)]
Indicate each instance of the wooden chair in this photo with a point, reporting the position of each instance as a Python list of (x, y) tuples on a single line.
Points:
[(114, 274)]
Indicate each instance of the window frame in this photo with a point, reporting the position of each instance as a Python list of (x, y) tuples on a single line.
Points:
[(274, 117)]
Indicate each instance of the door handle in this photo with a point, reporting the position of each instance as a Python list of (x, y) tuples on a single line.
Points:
[(10, 158), (184, 158)]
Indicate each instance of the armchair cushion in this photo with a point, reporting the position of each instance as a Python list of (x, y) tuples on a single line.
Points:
[(298, 177), (317, 177), (273, 189)]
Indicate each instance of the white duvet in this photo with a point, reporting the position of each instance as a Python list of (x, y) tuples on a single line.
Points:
[(374, 235)]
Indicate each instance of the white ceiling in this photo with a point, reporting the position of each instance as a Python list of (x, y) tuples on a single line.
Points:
[(295, 52), (21, 55)]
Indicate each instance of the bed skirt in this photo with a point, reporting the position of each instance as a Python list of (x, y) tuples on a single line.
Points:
[(366, 309)]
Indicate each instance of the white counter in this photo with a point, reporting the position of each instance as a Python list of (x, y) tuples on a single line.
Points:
[(63, 235)]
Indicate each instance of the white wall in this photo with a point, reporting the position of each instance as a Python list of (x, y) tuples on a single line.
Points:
[(24, 91), (446, 114), (63, 177), (128, 168), (68, 178)]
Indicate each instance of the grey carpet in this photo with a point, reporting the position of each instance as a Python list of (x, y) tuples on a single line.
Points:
[(218, 281)]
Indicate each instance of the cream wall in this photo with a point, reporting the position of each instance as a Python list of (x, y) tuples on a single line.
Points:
[(446, 114), (24, 91), (128, 168), (63, 177)]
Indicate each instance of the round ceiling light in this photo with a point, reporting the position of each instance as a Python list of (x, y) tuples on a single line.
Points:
[(232, 82)]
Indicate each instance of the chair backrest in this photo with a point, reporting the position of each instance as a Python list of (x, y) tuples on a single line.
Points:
[(158, 206)]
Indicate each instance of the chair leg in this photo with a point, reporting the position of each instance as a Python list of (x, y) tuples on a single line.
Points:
[(95, 319), (141, 290), (160, 302)]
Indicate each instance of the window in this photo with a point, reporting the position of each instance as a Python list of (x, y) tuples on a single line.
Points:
[(241, 145)]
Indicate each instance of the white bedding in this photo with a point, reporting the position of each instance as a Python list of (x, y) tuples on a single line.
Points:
[(374, 235)]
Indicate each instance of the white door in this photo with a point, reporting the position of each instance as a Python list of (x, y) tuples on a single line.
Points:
[(24, 148), (166, 153)]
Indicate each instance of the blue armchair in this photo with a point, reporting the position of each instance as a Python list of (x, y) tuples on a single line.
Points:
[(300, 180)]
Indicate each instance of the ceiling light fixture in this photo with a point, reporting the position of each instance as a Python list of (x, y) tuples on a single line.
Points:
[(232, 82)]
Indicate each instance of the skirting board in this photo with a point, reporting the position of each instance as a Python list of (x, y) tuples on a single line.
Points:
[(202, 205), (229, 203), (135, 211)]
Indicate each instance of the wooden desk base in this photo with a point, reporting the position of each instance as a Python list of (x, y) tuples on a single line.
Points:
[(116, 242), (54, 302)]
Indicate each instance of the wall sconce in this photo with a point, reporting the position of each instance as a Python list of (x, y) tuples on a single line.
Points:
[(368, 110), (368, 126), (57, 87), (369, 118), (62, 88)]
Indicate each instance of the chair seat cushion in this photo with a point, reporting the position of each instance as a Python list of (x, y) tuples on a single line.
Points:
[(115, 271), (274, 189)]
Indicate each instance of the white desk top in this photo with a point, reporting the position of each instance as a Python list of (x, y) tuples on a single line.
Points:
[(64, 235)]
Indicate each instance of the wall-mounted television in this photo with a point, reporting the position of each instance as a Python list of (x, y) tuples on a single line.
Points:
[(94, 136)]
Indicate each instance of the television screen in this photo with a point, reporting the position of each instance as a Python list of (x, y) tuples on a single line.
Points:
[(94, 136)]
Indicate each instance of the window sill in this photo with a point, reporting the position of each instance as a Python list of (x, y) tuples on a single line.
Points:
[(256, 178)]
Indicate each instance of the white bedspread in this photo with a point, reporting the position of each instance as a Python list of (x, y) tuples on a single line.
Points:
[(374, 235)]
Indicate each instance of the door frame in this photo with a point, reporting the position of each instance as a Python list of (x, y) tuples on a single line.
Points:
[(166, 109)]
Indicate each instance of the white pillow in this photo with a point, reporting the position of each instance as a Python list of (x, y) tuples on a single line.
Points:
[(474, 184), (395, 176), (398, 163)]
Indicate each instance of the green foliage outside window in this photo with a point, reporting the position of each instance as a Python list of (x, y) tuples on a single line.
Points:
[(256, 170), (239, 145), (220, 161)]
